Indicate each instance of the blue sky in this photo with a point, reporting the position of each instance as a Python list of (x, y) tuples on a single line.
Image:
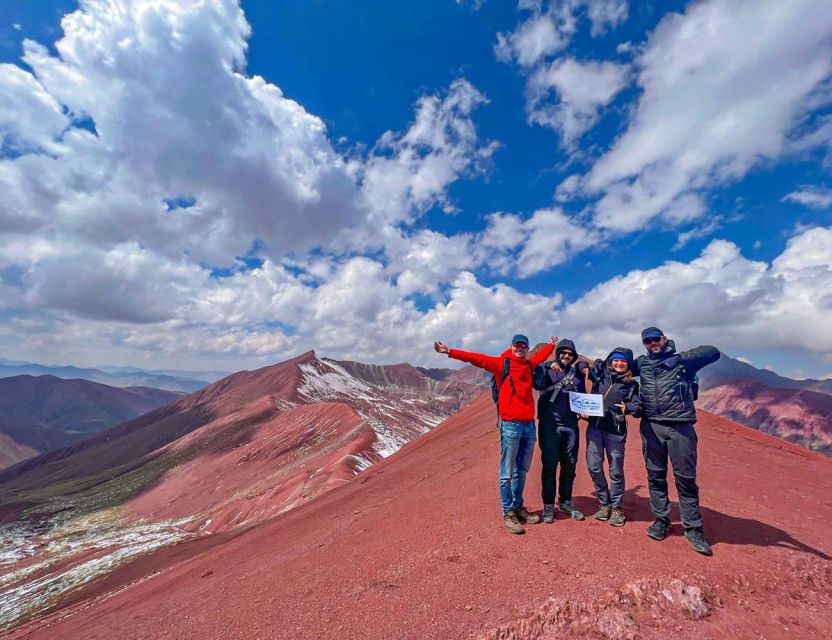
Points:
[(360, 178)]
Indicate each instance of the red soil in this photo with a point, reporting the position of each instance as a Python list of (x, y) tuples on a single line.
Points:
[(415, 548), (278, 464)]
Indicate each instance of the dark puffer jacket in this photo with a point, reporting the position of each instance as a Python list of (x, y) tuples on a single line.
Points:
[(615, 390), (557, 410), (666, 393)]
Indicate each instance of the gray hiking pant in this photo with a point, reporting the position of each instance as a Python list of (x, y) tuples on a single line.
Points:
[(679, 442), (598, 443)]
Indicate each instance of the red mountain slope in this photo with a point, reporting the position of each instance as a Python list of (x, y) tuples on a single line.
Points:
[(39, 414), (414, 548), (799, 416), (246, 447)]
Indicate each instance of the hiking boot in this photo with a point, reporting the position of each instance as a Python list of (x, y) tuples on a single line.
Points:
[(569, 509), (548, 513), (617, 518), (512, 523), (698, 542), (526, 517), (658, 530), (603, 513)]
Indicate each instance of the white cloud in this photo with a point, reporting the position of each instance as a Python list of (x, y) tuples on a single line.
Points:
[(722, 298), (86, 232), (710, 107), (546, 239), (410, 173), (545, 33), (582, 89), (30, 118), (811, 196)]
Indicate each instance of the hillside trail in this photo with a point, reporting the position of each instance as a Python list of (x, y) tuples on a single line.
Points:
[(415, 548)]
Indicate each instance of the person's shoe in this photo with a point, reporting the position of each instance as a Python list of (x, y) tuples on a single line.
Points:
[(698, 542), (512, 523), (617, 518), (548, 513), (604, 513), (569, 509), (525, 516), (658, 530)]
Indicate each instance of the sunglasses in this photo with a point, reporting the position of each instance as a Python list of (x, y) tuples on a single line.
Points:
[(651, 340), (520, 345), (567, 353)]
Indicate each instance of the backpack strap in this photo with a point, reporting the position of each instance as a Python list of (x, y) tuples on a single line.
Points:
[(556, 388)]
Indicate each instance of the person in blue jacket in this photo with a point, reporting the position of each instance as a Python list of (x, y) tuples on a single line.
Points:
[(606, 436)]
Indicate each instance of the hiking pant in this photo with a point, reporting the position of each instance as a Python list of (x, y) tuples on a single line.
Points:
[(516, 450), (559, 443), (598, 443), (679, 441)]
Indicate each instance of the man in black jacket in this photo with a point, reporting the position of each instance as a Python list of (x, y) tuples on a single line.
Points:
[(668, 415), (557, 429)]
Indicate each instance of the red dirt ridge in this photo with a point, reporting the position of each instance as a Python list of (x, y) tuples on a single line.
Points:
[(414, 547)]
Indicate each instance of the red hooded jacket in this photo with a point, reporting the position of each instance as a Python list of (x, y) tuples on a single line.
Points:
[(516, 401)]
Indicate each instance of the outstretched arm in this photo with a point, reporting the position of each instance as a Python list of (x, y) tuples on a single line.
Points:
[(699, 357), (489, 363)]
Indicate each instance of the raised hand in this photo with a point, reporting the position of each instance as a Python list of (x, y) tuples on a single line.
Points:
[(440, 347), (553, 340)]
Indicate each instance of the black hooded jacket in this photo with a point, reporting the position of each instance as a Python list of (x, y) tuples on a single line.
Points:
[(557, 410), (666, 393), (615, 390)]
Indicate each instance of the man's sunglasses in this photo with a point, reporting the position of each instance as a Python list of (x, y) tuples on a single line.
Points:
[(651, 340), (520, 345), (567, 353)]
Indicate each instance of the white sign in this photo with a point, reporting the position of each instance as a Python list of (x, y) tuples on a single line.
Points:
[(591, 404)]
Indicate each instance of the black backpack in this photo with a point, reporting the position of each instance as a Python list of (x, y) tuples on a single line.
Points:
[(683, 375)]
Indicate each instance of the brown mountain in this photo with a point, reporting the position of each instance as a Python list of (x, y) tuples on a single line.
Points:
[(39, 414)]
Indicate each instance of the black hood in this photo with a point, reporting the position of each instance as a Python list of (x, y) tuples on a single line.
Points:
[(627, 353), (565, 344)]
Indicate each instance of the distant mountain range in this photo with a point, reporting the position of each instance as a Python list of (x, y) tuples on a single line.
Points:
[(799, 411), (39, 414), (170, 380)]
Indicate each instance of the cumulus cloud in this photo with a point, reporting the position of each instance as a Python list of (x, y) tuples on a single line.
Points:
[(410, 173), (141, 156), (175, 116), (582, 88), (710, 108), (811, 196), (546, 239), (721, 297)]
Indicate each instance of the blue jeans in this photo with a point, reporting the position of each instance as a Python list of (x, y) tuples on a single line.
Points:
[(598, 443), (516, 448)]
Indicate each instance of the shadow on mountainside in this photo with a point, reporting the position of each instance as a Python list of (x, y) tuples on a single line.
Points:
[(720, 527), (723, 528)]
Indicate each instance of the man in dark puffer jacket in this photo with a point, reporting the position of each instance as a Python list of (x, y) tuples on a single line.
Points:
[(558, 434), (668, 416)]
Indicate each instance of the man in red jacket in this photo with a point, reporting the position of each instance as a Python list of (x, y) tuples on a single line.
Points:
[(515, 406)]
